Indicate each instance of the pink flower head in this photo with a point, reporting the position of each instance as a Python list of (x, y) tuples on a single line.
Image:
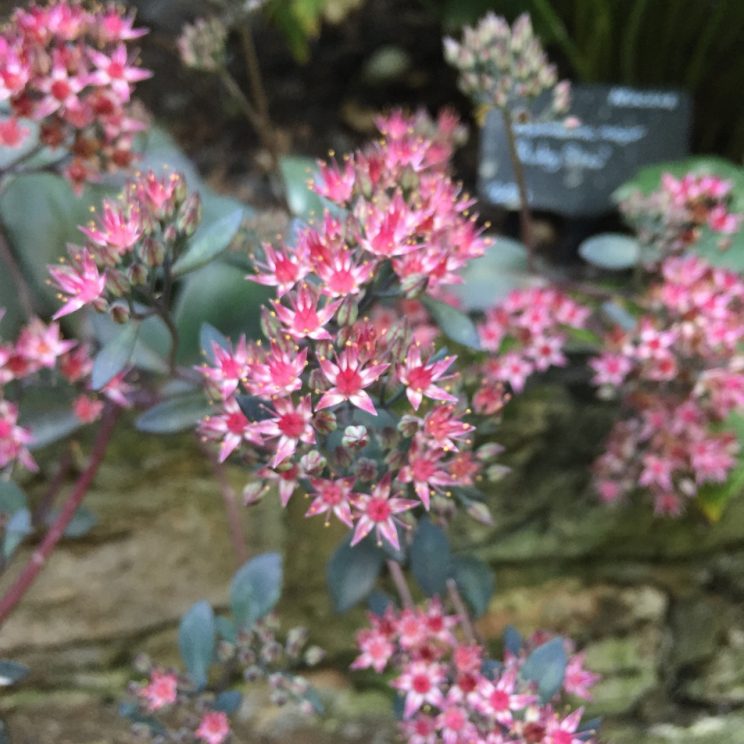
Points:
[(420, 681), (341, 274), (280, 269), (214, 727), (231, 427), (578, 681), (348, 377), (162, 690), (120, 228), (14, 439), (230, 365), (443, 426), (280, 372), (82, 282), (425, 471), (304, 318), (335, 182), (610, 369), (500, 700), (12, 134), (333, 497), (419, 377), (376, 650), (42, 344), (291, 424), (378, 512), (116, 72)]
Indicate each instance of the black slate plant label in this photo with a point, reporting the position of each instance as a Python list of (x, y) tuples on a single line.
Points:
[(573, 172)]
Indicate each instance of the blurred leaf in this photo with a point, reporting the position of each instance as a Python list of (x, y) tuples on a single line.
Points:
[(475, 581), (453, 323), (297, 174), (114, 356), (80, 525), (612, 251), (131, 711), (379, 601), (12, 497), (512, 640), (209, 336), (196, 641), (254, 408), (217, 294), (17, 527), (208, 242), (11, 672), (48, 414), (431, 560), (255, 589), (173, 415), (490, 278), (546, 666), (151, 346), (228, 702), (617, 314), (41, 214), (226, 628), (352, 572)]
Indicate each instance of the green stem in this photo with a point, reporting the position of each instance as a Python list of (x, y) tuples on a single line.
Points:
[(525, 216)]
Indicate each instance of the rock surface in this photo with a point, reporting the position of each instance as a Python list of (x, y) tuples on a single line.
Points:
[(656, 604)]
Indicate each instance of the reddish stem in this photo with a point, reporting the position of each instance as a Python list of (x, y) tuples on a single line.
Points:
[(231, 508), (401, 585), (40, 556), (462, 611)]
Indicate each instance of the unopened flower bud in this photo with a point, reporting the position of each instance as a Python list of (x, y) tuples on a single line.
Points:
[(489, 451), (408, 425), (413, 285), (324, 422), (348, 313), (117, 283), (496, 472), (137, 274), (355, 436), (296, 640), (252, 673), (152, 251), (271, 326), (170, 234), (480, 512), (365, 469), (388, 437), (343, 457), (253, 493), (120, 313), (189, 215), (312, 462)]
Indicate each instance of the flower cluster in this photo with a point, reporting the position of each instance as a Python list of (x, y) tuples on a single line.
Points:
[(673, 218), (453, 693), (41, 355), (202, 44), (680, 375), (169, 704), (70, 70), (505, 67), (135, 236), (527, 334), (344, 406)]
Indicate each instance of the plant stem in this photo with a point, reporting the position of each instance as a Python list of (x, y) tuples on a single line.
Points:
[(23, 288), (401, 585), (40, 556), (231, 507), (55, 485), (261, 100), (462, 611), (525, 216)]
